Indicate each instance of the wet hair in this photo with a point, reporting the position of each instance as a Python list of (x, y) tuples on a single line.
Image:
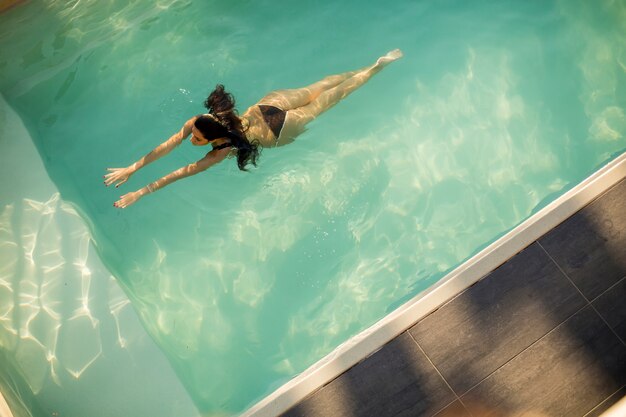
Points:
[(210, 128), (226, 123)]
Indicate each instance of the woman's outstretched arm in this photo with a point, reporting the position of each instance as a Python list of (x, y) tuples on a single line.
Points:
[(119, 176), (208, 161)]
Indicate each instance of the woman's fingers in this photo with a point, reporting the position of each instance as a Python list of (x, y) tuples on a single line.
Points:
[(121, 203), (111, 176), (126, 200), (116, 175), (109, 181), (121, 182)]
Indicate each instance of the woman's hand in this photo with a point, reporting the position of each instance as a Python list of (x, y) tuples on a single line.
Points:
[(118, 175), (128, 199)]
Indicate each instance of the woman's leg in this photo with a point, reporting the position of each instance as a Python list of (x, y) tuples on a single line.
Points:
[(297, 118), (297, 97)]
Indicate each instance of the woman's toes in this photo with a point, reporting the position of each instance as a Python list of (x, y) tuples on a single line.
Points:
[(390, 57)]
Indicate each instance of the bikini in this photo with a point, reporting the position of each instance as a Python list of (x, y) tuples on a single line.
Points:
[(274, 117), (222, 146)]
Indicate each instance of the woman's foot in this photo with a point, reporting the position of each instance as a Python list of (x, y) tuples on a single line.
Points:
[(389, 57)]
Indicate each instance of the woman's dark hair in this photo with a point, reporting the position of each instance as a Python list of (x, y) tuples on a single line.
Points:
[(226, 123)]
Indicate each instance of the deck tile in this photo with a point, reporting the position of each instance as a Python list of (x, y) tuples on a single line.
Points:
[(612, 307), (497, 318), (567, 373), (608, 403), (456, 409), (398, 380), (590, 246)]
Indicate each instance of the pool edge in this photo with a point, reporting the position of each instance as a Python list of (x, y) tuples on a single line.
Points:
[(373, 338)]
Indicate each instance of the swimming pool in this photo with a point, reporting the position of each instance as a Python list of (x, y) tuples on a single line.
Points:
[(244, 280)]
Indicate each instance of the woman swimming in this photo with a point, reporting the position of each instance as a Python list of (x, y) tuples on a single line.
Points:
[(276, 120)]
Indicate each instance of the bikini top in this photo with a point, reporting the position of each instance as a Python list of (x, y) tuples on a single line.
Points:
[(222, 146)]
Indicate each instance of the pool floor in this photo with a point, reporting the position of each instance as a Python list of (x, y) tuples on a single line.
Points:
[(543, 333)]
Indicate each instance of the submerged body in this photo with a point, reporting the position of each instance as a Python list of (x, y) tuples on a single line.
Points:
[(275, 120)]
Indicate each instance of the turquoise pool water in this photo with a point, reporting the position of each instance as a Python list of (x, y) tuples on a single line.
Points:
[(244, 280)]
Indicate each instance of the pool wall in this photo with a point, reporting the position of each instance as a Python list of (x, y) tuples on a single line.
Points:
[(67, 329), (372, 339)]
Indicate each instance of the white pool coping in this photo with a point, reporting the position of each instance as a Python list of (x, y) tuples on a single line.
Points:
[(617, 410), (372, 339)]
